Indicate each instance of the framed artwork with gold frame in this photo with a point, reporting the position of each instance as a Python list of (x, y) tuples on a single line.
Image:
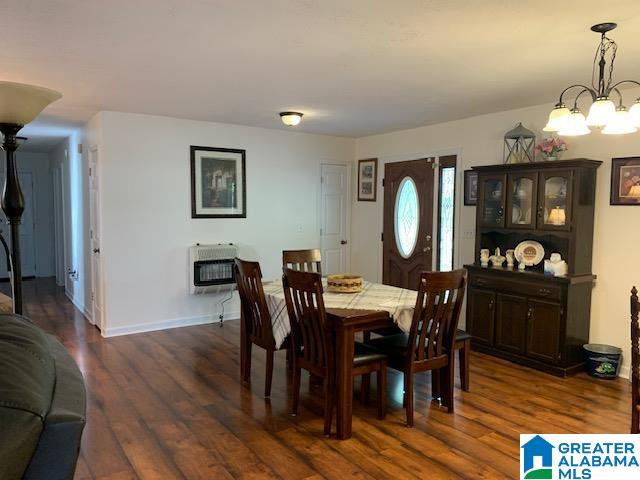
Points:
[(625, 181)]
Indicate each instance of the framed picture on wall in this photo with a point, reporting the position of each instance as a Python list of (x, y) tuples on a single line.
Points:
[(470, 187), (218, 183), (625, 181), (367, 179)]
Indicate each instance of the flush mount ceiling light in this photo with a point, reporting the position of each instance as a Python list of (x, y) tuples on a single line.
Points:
[(603, 113), (291, 119)]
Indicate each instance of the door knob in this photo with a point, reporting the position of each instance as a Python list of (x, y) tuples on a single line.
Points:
[(343, 242), (96, 250), (426, 249)]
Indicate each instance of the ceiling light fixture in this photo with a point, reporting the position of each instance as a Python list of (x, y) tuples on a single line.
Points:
[(291, 119), (603, 112)]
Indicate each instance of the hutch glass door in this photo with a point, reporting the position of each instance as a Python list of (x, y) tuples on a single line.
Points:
[(521, 200), (554, 205), (492, 200)]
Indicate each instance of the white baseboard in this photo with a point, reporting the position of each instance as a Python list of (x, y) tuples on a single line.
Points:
[(624, 372), (167, 324)]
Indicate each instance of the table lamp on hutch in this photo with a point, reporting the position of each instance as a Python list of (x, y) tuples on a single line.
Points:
[(19, 105)]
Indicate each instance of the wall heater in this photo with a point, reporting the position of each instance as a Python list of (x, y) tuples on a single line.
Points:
[(212, 268)]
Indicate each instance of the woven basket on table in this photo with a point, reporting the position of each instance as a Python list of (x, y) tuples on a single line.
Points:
[(344, 283)]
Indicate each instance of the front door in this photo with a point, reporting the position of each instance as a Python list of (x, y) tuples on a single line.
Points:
[(333, 228), (408, 222)]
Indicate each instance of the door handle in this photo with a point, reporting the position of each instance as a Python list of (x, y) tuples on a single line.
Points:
[(343, 242), (96, 250), (426, 249)]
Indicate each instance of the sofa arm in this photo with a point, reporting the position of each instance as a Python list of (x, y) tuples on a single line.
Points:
[(59, 445)]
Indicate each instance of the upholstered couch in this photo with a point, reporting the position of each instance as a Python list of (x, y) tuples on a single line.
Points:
[(42, 404)]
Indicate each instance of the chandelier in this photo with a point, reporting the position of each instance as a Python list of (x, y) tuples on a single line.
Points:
[(603, 113)]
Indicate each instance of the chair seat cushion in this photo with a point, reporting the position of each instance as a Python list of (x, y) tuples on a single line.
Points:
[(364, 354), (391, 345), (461, 335), (396, 345)]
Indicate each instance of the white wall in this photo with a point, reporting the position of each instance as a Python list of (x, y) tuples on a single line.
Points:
[(478, 141), (75, 226), (38, 164), (146, 211)]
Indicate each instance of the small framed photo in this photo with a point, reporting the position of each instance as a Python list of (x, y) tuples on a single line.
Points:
[(367, 179), (218, 183), (470, 187), (625, 181)]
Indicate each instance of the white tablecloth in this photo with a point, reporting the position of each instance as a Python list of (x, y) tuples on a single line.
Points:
[(374, 296)]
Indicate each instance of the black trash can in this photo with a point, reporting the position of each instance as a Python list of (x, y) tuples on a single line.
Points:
[(602, 361)]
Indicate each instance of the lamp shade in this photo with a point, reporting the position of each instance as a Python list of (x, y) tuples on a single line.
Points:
[(557, 216), (575, 125), (557, 118), (601, 112), (20, 103), (634, 113), (620, 123)]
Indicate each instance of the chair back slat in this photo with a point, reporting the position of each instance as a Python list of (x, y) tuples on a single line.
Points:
[(302, 260), (252, 300), (310, 337), (435, 318)]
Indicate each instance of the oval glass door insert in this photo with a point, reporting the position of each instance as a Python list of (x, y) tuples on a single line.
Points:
[(406, 218)]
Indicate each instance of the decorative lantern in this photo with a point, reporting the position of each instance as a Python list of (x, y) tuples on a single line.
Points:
[(518, 145)]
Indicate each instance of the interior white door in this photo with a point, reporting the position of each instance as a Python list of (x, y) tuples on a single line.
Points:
[(27, 229), (334, 194), (96, 260)]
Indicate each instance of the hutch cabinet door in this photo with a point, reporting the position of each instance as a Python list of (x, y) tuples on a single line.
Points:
[(543, 330), (522, 190), (511, 323), (480, 311), (491, 200), (554, 200)]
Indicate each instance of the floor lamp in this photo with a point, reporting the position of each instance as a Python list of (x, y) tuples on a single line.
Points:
[(19, 105)]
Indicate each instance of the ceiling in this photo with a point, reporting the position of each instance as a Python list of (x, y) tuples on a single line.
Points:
[(354, 67)]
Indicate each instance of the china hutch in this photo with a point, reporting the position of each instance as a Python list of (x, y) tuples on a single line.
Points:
[(529, 317)]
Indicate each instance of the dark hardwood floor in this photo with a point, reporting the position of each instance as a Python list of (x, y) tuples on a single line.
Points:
[(170, 404)]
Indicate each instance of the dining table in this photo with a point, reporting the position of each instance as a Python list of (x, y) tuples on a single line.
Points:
[(377, 306)]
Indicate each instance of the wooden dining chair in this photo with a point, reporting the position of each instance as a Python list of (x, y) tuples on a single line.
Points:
[(257, 320), (635, 362), (313, 343), (430, 344), (463, 346), (302, 260)]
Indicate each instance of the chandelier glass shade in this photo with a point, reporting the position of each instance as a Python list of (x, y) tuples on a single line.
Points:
[(620, 123), (603, 113), (574, 125)]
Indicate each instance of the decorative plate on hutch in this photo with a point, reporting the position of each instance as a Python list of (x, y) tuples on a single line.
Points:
[(529, 252)]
